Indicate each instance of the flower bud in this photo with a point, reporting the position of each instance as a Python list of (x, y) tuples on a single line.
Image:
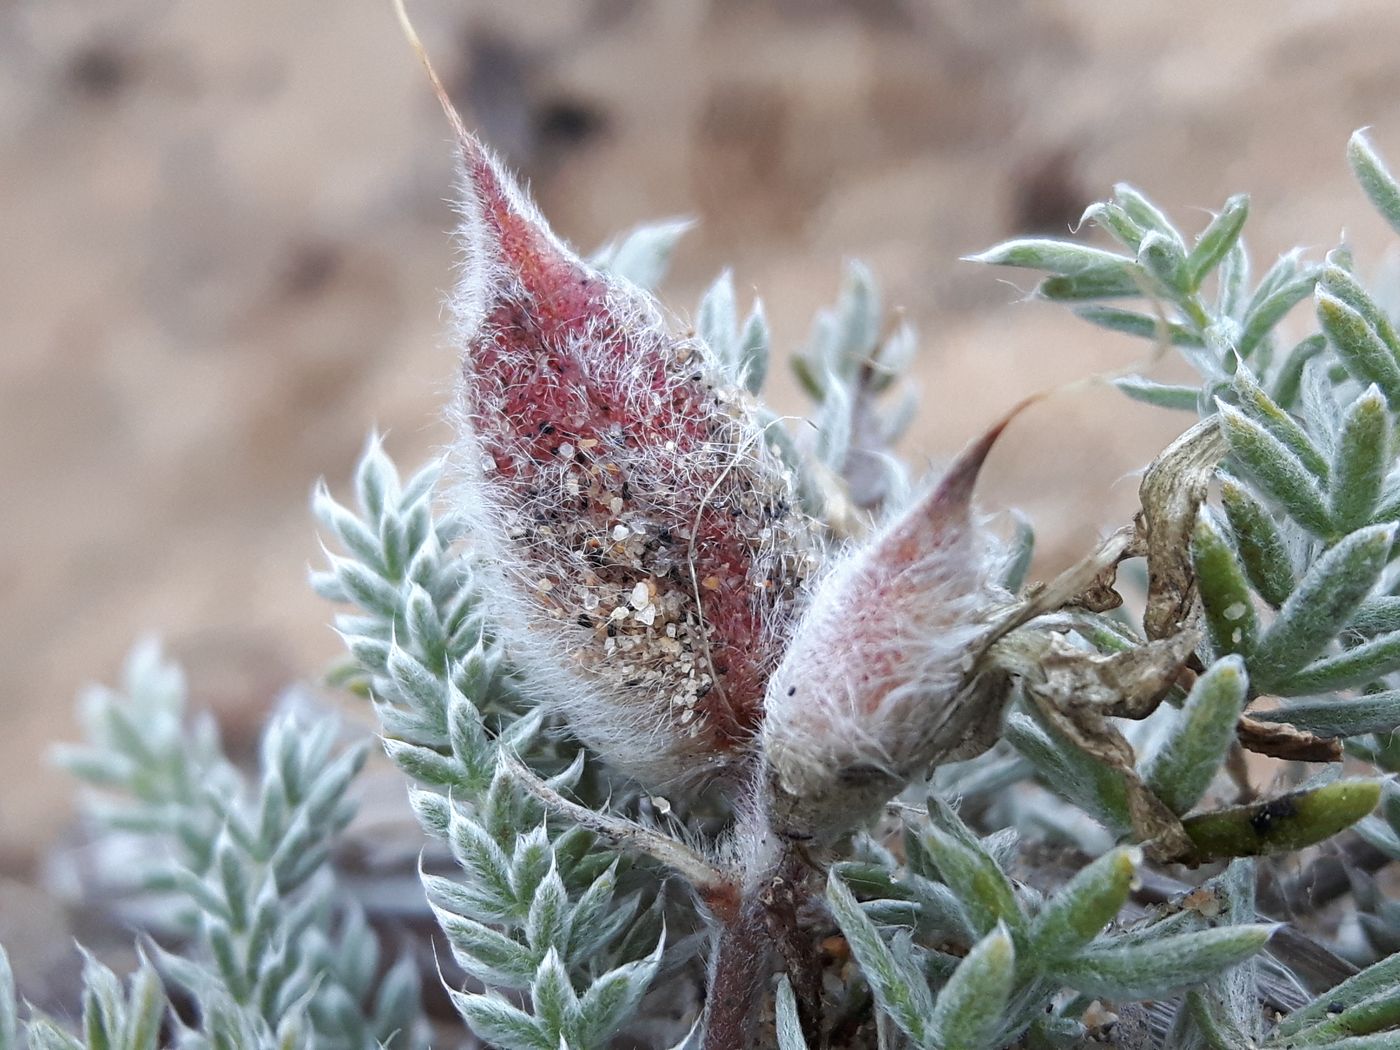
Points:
[(874, 687), (642, 539)]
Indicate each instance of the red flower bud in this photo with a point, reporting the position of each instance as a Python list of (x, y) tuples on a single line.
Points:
[(641, 535)]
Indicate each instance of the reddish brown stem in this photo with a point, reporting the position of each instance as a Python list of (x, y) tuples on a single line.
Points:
[(739, 976)]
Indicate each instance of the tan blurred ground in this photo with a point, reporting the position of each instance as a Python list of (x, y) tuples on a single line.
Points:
[(224, 254)]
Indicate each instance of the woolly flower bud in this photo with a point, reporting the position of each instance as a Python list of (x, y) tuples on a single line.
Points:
[(640, 535), (871, 691)]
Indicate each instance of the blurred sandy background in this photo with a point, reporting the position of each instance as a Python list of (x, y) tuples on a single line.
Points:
[(224, 254)]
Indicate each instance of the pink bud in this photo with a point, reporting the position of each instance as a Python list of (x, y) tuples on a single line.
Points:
[(640, 535), (868, 693)]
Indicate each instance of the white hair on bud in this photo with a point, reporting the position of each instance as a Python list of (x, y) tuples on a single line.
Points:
[(589, 547), (866, 697)]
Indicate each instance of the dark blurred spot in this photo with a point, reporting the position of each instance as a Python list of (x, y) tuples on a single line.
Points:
[(99, 71), (310, 269), (1048, 197), (566, 122)]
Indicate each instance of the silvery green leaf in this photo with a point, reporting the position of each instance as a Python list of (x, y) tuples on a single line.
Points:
[(1142, 211), (971, 1007), (1107, 282), (1375, 178), (591, 912), (1357, 666), (1361, 463), (717, 320), (1165, 259), (417, 685), (1277, 471), (1162, 395), (858, 310), (328, 586), (145, 1010), (425, 627), (9, 1014), (1019, 554), (1376, 615), (1063, 258), (43, 1034), (899, 988), (1288, 382), (753, 350), (552, 995), (1214, 1022), (1261, 548), (486, 866), (1339, 283), (548, 920), (1080, 909), (1217, 239), (643, 255), (612, 998), (501, 1025), (1361, 349), (1266, 312), (432, 810), (425, 765), (353, 534), (1322, 604), (1375, 1013), (1379, 977), (1072, 774), (1258, 406), (1162, 965), (1225, 594), (1111, 216), (1188, 757), (789, 1026), (1233, 281), (486, 954), (1331, 717), (365, 587), (376, 481), (982, 888)]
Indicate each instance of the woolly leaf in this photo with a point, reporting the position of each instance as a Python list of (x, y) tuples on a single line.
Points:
[(1161, 395), (1192, 752), (1258, 542), (980, 885), (1077, 913), (789, 1027), (1380, 977), (1261, 408), (1161, 965), (1330, 717), (1323, 603), (899, 988), (1065, 258), (1360, 347), (1361, 463), (501, 1025), (1217, 239), (971, 1006), (1375, 178), (1278, 472), (612, 998), (1107, 282), (643, 255), (1357, 666), (1229, 605), (1072, 774)]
